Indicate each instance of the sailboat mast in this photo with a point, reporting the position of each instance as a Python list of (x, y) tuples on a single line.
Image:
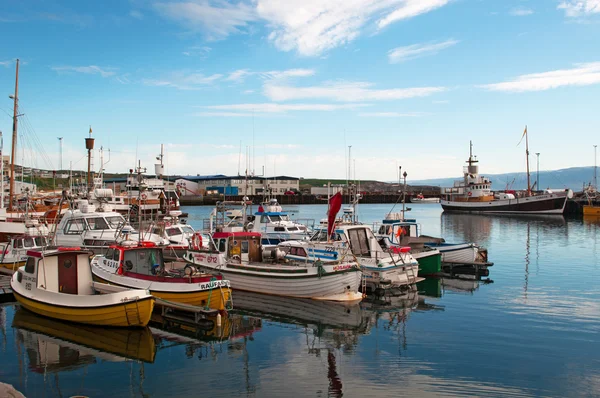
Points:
[(14, 142), (527, 155)]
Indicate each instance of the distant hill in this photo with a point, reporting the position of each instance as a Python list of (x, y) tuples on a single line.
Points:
[(574, 178)]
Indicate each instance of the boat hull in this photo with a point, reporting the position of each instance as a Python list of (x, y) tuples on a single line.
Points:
[(542, 204), (457, 253), (209, 294), (133, 313), (430, 263), (593, 211), (331, 282)]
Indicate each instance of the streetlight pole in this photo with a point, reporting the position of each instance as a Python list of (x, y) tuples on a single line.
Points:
[(537, 178)]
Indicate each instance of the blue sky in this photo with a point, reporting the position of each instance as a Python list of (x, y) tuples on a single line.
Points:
[(294, 83)]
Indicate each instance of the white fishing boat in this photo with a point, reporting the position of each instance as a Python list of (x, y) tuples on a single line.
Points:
[(14, 252), (140, 265), (179, 236), (239, 257), (96, 230), (382, 269), (270, 220), (58, 283)]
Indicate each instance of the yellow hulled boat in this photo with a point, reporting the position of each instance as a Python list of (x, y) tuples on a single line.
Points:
[(58, 284)]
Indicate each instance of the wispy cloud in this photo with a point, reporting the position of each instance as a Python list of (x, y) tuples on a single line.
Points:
[(390, 114), (250, 109), (90, 70), (136, 14), (197, 51), (216, 19), (308, 28), (580, 8), (241, 74), (581, 75), (184, 80), (521, 12), (6, 64), (345, 92), (400, 54)]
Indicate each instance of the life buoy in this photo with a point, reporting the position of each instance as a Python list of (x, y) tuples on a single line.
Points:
[(470, 193), (196, 241)]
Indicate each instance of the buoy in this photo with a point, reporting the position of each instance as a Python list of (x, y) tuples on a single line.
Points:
[(218, 320)]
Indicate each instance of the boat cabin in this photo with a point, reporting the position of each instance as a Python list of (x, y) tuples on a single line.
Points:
[(144, 258), (25, 242), (238, 246), (64, 270), (359, 238)]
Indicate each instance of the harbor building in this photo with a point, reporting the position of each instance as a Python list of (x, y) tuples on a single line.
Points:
[(235, 185)]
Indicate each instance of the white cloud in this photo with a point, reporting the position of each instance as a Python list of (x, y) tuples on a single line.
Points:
[(400, 54), (238, 75), (579, 8), (280, 108), (580, 75), (390, 114), (309, 27), (411, 8), (345, 92), (91, 70), (6, 64), (521, 12), (184, 80), (223, 114)]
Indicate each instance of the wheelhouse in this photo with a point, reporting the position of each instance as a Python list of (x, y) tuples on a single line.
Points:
[(240, 246)]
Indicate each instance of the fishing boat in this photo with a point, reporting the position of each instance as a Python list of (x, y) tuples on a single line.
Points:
[(473, 194), (395, 232), (95, 230), (180, 236), (239, 257), (57, 283), (270, 220), (382, 270), (422, 199), (14, 252), (140, 265)]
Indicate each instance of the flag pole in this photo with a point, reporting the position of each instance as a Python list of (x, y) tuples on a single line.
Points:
[(328, 207), (527, 155)]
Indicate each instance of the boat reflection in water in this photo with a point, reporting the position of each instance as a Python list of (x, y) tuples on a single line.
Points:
[(55, 346)]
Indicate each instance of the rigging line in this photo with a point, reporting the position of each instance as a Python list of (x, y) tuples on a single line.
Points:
[(38, 143)]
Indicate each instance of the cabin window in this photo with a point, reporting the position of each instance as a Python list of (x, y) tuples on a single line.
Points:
[(74, 227), (173, 231), (114, 221), (187, 230), (146, 262), (19, 243), (97, 223), (245, 246), (28, 242), (301, 252), (222, 245), (292, 229), (359, 242), (40, 241), (30, 265), (279, 229), (109, 254)]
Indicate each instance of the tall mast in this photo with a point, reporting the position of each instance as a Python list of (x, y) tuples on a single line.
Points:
[(527, 155), (89, 145), (14, 142)]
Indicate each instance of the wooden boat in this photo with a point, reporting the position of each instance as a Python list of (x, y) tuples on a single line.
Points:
[(60, 345), (58, 283), (140, 265), (239, 257), (473, 194)]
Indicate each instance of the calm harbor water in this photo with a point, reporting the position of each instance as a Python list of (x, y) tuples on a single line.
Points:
[(535, 331)]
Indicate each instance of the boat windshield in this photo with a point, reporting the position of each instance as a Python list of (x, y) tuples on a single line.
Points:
[(40, 241), (114, 221), (187, 229), (97, 223), (28, 242), (279, 217), (143, 261), (321, 236)]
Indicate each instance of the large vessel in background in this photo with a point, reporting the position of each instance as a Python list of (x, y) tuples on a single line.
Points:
[(473, 194)]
